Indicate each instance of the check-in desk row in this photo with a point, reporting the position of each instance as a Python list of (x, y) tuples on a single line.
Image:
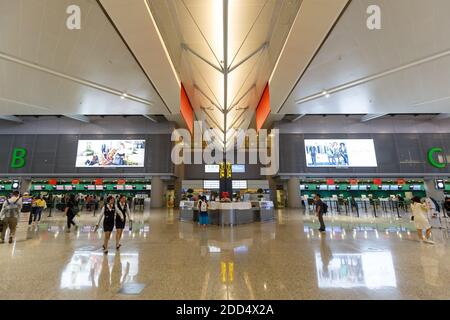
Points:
[(229, 213)]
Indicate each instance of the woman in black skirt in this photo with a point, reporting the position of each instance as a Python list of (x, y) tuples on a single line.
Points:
[(122, 213), (108, 214)]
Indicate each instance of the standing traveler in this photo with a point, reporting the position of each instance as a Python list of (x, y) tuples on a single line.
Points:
[(70, 211), (122, 213), (420, 217), (33, 211), (320, 210), (9, 215), (108, 214), (432, 206), (41, 206), (447, 207), (203, 209)]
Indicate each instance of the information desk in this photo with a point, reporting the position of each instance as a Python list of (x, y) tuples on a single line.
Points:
[(229, 213)]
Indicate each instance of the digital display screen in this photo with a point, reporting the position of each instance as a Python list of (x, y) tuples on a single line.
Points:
[(340, 153), (37, 187), (302, 187), (98, 187), (128, 187), (91, 187), (363, 187), (395, 188), (238, 168), (212, 168), (354, 187), (69, 188), (323, 187), (331, 187), (239, 184), (385, 187), (211, 184), (110, 153), (119, 187), (59, 187)]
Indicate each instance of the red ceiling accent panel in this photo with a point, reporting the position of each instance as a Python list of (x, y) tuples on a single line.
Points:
[(186, 110), (263, 109)]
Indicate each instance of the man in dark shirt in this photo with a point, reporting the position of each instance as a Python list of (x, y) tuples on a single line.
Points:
[(319, 211)]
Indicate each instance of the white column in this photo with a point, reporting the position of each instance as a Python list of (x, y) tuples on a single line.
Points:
[(430, 188), (293, 195)]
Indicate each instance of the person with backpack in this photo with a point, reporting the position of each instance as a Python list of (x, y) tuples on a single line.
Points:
[(203, 209), (321, 209), (71, 211), (9, 216)]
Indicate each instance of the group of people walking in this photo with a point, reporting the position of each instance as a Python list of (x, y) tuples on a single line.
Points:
[(114, 214)]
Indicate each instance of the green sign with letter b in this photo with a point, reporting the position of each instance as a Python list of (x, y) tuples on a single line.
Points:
[(18, 159)]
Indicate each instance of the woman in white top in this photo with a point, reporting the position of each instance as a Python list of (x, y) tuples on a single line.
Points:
[(122, 214), (420, 216)]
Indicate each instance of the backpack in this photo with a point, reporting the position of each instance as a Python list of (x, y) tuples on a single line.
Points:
[(324, 208), (12, 209), (203, 206)]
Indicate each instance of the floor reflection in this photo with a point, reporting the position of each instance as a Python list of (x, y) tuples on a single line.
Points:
[(95, 270), (372, 270)]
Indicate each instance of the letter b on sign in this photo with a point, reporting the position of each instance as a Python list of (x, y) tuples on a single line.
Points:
[(18, 158)]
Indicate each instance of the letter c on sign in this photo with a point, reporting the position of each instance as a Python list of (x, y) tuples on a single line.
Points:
[(431, 159)]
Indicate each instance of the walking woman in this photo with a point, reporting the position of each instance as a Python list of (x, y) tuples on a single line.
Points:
[(420, 217), (70, 211), (108, 214), (122, 214)]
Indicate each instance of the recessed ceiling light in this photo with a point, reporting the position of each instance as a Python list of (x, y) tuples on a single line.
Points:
[(325, 93)]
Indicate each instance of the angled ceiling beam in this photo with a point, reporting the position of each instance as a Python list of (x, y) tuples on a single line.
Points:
[(262, 47), (369, 117), (11, 119), (150, 118), (299, 117), (442, 116), (78, 117), (188, 49)]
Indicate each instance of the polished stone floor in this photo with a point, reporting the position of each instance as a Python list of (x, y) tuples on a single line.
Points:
[(163, 258)]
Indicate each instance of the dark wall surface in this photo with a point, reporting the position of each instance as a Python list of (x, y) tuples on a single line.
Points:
[(56, 154), (396, 153)]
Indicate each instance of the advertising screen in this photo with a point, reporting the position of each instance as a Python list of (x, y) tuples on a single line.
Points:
[(238, 168), (211, 184), (212, 168), (239, 184), (340, 153), (110, 153)]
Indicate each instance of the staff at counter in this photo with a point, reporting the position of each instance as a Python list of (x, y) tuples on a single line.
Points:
[(230, 213)]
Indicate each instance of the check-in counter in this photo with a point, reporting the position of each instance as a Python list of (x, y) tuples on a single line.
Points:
[(229, 213), (187, 211)]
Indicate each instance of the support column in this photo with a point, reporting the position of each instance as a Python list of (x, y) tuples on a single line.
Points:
[(157, 200), (293, 196), (25, 185), (430, 188)]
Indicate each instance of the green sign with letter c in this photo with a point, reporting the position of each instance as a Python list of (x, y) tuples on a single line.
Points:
[(431, 159)]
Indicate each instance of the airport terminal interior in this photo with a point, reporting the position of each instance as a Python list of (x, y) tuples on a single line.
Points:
[(230, 149)]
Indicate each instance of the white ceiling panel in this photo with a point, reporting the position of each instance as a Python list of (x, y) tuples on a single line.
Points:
[(412, 30), (35, 31)]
